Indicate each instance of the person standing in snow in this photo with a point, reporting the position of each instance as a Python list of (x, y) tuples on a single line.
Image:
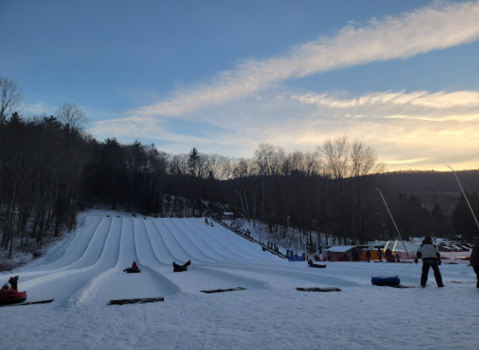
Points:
[(368, 255), (474, 259), (430, 256), (380, 254)]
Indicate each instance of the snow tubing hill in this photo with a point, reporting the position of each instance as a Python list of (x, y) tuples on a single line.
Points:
[(130, 270), (385, 281), (12, 297)]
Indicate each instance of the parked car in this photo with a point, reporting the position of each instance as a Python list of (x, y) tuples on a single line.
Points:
[(463, 247), (454, 248)]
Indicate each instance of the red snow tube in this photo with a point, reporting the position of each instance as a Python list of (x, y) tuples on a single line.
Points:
[(12, 297)]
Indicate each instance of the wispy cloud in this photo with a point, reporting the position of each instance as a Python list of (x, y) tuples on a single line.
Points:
[(252, 104), (459, 106), (438, 100), (406, 133), (439, 26)]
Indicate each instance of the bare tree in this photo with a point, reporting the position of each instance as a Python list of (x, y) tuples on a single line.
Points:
[(336, 157), (363, 162), (73, 116), (11, 97)]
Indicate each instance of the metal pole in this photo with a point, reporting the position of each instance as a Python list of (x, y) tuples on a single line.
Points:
[(399, 233), (71, 204), (464, 193)]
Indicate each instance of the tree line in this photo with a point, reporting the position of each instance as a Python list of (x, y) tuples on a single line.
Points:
[(50, 168)]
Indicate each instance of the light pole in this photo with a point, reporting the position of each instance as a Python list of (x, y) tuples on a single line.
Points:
[(288, 218), (71, 205)]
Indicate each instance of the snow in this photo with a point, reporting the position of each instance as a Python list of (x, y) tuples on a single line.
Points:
[(84, 271), (340, 248)]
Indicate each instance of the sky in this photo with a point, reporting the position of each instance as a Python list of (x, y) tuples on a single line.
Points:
[(225, 76)]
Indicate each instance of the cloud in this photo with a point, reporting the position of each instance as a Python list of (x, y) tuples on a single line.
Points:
[(439, 26), (406, 132), (251, 103), (438, 100), (134, 127)]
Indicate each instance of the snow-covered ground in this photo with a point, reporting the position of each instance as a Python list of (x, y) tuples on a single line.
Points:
[(84, 271)]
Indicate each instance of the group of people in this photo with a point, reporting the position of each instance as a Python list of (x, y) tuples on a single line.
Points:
[(208, 223), (273, 246), (389, 255)]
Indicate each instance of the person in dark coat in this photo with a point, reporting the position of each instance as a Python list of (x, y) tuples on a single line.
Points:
[(430, 256), (380, 254), (14, 282), (134, 265), (474, 259), (368, 255), (389, 255)]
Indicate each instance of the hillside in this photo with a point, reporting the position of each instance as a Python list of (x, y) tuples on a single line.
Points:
[(432, 187)]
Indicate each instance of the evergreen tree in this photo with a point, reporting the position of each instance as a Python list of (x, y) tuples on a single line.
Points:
[(462, 220)]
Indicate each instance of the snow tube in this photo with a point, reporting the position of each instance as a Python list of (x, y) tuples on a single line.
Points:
[(181, 268), (12, 297), (130, 270), (318, 266), (385, 281)]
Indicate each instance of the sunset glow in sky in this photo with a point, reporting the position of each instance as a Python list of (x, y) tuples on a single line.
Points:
[(225, 76)]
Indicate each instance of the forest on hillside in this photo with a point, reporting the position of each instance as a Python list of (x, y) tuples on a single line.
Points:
[(50, 169)]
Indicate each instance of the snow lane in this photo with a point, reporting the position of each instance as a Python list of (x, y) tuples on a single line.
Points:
[(196, 279), (149, 262), (62, 285), (116, 284), (162, 252), (87, 253), (72, 249), (229, 241), (171, 242), (104, 266), (210, 243), (195, 251), (144, 247)]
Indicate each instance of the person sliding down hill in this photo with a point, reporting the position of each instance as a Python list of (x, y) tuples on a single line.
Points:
[(14, 282), (11, 284), (134, 266)]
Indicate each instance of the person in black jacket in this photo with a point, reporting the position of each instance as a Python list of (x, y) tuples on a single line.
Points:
[(380, 254), (14, 282), (474, 259), (430, 256), (368, 255)]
